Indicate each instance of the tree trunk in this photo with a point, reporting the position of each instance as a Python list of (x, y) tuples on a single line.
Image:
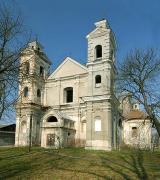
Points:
[(157, 125)]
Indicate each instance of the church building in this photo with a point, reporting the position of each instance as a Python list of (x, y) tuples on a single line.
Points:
[(76, 104)]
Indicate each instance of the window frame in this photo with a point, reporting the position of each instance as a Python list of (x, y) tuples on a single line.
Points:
[(98, 84), (67, 96), (26, 92), (97, 124), (27, 68), (98, 52), (38, 93), (52, 119), (41, 71), (134, 132)]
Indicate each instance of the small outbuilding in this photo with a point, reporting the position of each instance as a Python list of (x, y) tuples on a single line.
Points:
[(137, 128), (7, 134)]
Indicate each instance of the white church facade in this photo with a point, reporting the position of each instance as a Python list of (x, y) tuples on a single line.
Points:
[(76, 104)]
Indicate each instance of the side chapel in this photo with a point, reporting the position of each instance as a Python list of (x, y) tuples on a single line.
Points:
[(76, 104)]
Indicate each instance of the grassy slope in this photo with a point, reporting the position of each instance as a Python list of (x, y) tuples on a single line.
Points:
[(77, 163)]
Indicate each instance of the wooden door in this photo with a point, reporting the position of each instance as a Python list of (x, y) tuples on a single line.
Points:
[(50, 139)]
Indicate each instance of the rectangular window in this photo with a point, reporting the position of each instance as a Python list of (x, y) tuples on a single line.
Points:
[(41, 71), (134, 132), (68, 94), (98, 81), (97, 125)]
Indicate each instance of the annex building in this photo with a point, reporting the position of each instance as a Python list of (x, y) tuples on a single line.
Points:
[(137, 127)]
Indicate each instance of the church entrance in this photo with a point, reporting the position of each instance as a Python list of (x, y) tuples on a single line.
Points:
[(50, 140)]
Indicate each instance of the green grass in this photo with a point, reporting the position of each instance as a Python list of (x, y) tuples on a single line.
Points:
[(77, 163)]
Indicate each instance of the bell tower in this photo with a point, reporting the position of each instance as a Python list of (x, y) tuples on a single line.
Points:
[(34, 67), (101, 101)]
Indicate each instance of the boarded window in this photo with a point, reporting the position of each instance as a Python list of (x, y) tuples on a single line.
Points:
[(97, 124), (50, 140), (98, 51)]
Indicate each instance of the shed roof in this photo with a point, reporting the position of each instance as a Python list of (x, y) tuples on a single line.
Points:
[(6, 125)]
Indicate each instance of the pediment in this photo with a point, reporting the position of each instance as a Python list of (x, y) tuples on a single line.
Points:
[(100, 31), (68, 67)]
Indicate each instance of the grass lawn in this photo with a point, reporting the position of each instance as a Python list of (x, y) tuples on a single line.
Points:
[(77, 163)]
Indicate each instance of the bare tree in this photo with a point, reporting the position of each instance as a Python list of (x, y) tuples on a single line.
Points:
[(13, 39), (139, 75)]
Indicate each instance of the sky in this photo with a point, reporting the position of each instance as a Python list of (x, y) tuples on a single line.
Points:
[(61, 26)]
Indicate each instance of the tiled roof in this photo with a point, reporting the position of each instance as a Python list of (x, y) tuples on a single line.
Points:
[(136, 114)]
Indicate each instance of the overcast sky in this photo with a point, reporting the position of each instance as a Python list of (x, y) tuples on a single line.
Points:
[(62, 26)]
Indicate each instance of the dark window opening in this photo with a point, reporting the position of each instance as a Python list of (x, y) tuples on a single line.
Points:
[(120, 122), (52, 119), (27, 67), (41, 71), (69, 94), (98, 79), (98, 49), (26, 92), (38, 93), (135, 106), (134, 132)]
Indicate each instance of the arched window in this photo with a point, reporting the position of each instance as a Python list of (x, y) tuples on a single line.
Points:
[(26, 92), (68, 94), (52, 119), (38, 93), (98, 51), (27, 67), (97, 124)]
